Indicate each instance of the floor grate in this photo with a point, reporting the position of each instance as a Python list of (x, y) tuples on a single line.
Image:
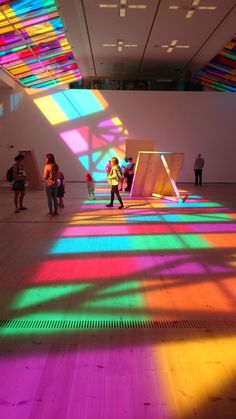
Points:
[(116, 324)]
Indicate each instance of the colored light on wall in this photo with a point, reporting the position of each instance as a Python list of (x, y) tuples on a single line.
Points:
[(75, 141), (51, 110), (68, 105)]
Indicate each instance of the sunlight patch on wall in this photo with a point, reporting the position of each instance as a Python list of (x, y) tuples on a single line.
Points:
[(68, 105)]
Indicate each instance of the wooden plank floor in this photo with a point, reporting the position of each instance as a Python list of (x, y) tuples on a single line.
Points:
[(154, 263)]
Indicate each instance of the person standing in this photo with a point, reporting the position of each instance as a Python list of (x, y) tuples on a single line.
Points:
[(18, 185), (61, 189), (130, 174), (114, 179), (51, 173), (198, 166), (108, 167), (124, 172)]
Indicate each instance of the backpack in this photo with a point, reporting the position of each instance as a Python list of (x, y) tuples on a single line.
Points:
[(9, 174)]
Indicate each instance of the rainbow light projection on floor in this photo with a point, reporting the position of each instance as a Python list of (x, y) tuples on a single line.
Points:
[(220, 74), (96, 137), (33, 45), (152, 279), (114, 265)]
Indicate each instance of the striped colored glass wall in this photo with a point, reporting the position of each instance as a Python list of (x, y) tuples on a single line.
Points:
[(220, 73), (33, 45)]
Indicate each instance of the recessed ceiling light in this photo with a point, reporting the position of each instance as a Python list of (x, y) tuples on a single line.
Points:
[(120, 45), (206, 7), (189, 14), (137, 6), (122, 11), (109, 45), (182, 46), (195, 6), (172, 45), (108, 6), (122, 5)]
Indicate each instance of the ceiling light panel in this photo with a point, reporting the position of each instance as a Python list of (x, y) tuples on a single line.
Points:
[(190, 10), (33, 45), (120, 45), (123, 5), (108, 6), (172, 46)]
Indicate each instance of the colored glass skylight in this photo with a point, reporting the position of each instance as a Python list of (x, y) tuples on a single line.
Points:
[(220, 73), (33, 45)]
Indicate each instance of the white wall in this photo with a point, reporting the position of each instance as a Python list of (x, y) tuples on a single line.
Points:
[(189, 122)]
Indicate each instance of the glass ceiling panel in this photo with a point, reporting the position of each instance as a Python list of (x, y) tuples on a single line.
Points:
[(220, 73), (33, 45)]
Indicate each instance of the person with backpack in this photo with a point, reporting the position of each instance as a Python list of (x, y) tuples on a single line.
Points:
[(18, 182), (50, 175), (113, 180)]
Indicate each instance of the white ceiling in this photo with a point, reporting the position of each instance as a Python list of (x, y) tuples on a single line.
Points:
[(89, 27)]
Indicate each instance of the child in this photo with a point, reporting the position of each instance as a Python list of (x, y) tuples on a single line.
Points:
[(90, 186), (108, 167), (61, 189)]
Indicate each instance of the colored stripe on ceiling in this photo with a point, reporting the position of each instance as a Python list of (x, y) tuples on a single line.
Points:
[(220, 73), (33, 45)]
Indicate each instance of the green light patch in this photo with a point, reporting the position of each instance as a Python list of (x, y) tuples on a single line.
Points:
[(35, 296)]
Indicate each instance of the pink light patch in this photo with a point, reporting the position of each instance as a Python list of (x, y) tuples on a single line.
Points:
[(108, 137), (84, 231), (75, 141)]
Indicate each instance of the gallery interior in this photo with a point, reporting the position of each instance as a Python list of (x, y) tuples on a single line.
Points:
[(118, 311)]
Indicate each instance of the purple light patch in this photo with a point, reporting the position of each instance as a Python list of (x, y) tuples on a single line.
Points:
[(214, 228)]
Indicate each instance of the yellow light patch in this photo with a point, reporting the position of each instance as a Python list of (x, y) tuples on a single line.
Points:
[(100, 98), (51, 110), (197, 371)]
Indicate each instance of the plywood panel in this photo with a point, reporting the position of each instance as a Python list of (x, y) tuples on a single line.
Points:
[(156, 172), (32, 170)]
